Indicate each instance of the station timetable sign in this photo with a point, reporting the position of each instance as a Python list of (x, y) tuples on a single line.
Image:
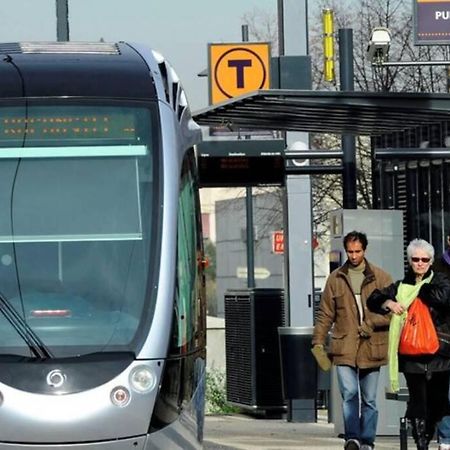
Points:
[(431, 22), (242, 162), (236, 69)]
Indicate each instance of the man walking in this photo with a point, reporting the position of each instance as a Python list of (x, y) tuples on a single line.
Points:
[(359, 339)]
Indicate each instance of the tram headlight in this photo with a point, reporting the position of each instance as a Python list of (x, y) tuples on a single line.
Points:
[(142, 379), (120, 396)]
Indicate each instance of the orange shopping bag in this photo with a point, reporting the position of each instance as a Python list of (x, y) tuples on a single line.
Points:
[(418, 336)]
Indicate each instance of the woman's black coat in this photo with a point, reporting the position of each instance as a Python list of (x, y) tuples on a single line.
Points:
[(436, 295)]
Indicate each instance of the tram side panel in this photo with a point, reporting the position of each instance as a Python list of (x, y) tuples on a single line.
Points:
[(179, 410)]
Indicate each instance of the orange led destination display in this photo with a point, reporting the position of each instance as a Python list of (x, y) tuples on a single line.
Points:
[(236, 69), (48, 127)]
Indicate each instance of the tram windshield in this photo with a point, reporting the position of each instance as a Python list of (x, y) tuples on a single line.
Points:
[(78, 225)]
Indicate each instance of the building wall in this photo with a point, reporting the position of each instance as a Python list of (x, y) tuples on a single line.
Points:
[(231, 256), (208, 199), (215, 339)]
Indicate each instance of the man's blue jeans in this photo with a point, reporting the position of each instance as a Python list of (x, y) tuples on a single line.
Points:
[(444, 430), (359, 391)]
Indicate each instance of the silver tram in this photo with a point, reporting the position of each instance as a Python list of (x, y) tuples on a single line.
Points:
[(102, 314)]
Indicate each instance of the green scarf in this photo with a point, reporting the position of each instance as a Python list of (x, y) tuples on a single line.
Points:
[(406, 294)]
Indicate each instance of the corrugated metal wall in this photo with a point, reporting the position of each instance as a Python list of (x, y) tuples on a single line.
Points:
[(419, 187)]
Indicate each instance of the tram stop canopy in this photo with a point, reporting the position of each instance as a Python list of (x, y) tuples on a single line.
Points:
[(359, 113), (410, 131)]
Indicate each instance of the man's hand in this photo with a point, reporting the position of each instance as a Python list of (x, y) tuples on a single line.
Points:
[(365, 331), (321, 357)]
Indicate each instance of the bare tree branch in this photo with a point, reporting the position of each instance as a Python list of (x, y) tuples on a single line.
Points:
[(362, 17)]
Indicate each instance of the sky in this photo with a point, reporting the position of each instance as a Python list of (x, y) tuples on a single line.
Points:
[(178, 29)]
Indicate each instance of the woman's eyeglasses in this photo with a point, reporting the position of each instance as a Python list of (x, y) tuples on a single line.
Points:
[(416, 259)]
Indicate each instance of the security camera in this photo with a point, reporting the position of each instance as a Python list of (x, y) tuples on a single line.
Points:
[(378, 48)]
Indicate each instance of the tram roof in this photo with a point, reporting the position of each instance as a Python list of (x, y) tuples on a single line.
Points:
[(74, 69), (340, 112)]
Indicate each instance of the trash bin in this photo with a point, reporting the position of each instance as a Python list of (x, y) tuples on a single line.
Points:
[(298, 366)]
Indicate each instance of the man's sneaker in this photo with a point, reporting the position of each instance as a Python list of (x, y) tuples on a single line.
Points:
[(369, 447), (352, 444), (444, 446)]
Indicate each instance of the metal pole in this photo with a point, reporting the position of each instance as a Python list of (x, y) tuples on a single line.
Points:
[(249, 214), (62, 20), (280, 19), (411, 63), (348, 140), (299, 266), (250, 239), (245, 33)]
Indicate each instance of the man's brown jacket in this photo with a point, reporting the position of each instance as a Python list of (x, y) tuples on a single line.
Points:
[(364, 346)]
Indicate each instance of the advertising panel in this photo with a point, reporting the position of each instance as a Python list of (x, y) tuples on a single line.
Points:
[(431, 22)]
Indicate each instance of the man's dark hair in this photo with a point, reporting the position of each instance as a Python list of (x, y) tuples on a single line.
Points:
[(354, 236)]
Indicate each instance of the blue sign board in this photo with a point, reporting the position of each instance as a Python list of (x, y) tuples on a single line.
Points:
[(431, 22)]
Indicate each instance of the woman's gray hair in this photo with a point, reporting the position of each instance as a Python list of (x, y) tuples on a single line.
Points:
[(419, 244)]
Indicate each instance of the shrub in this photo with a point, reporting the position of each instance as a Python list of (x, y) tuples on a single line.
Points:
[(216, 400)]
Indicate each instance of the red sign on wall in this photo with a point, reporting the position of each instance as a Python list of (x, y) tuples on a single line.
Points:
[(278, 242)]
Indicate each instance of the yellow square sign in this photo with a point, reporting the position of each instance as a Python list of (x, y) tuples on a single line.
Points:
[(236, 69)]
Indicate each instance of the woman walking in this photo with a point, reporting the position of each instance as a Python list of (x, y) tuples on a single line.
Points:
[(427, 376)]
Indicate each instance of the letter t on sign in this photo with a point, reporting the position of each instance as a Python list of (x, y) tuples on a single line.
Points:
[(240, 65)]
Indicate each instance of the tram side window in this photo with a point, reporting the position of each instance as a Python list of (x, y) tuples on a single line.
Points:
[(187, 288)]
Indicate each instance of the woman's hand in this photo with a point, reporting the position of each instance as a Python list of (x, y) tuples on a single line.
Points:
[(394, 307)]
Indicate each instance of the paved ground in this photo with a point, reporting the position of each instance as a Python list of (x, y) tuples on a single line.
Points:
[(243, 432)]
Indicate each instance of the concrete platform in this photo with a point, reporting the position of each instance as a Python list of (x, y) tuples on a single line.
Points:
[(245, 432)]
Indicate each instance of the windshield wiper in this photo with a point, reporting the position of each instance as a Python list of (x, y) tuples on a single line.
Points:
[(35, 344)]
